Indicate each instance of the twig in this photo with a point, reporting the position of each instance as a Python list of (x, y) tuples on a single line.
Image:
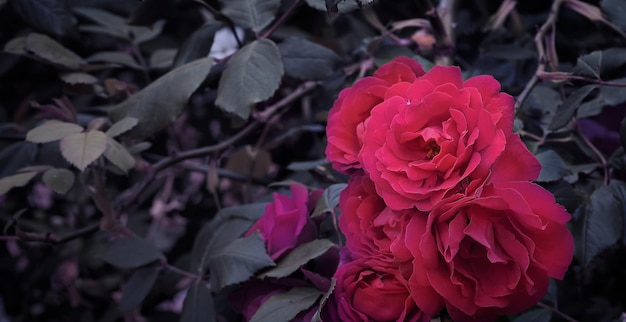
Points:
[(51, 238), (550, 23), (599, 155), (282, 18), (557, 312), (205, 151)]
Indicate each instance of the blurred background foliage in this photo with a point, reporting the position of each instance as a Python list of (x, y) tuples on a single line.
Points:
[(194, 106)]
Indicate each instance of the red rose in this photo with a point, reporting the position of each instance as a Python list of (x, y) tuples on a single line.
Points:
[(424, 136), (369, 290), (491, 255), (353, 107), (286, 222), (371, 228), (432, 137)]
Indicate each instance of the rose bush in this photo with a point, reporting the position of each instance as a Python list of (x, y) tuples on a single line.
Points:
[(370, 290), (286, 223), (491, 255), (423, 136), (440, 200)]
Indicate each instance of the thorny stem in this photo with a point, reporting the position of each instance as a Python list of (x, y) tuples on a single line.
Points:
[(599, 155), (282, 18), (539, 37), (557, 312)]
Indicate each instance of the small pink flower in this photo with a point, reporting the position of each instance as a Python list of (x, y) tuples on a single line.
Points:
[(286, 222)]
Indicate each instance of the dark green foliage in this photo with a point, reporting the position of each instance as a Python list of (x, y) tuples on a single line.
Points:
[(134, 159)]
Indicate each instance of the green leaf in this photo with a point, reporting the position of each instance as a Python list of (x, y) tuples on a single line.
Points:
[(552, 166), (140, 34), (59, 180), (138, 286), (339, 6), (252, 75), (298, 257), (307, 165), (329, 200), (115, 57), (159, 104), (50, 16), (119, 155), (543, 102), (16, 46), (607, 96), (602, 223), (567, 110), (163, 58), (589, 65), (50, 51), (386, 53), (622, 133), (227, 225), (113, 25), (130, 252), (318, 313), (285, 306), (615, 11), (17, 180), (307, 60), (238, 261), (251, 14), (536, 315), (81, 149), (16, 156), (52, 131), (198, 44), (198, 305), (122, 126)]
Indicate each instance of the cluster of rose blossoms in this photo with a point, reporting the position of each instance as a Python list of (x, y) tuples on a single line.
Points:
[(440, 211)]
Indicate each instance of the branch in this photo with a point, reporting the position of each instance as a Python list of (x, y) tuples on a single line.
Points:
[(164, 163), (549, 24), (282, 19), (50, 238)]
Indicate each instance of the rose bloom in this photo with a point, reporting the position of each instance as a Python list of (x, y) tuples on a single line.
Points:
[(423, 136), (371, 228), (491, 255), (370, 290), (286, 223)]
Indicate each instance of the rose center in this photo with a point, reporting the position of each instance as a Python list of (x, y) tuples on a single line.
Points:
[(432, 149)]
